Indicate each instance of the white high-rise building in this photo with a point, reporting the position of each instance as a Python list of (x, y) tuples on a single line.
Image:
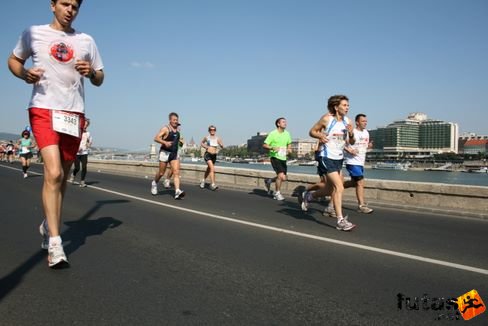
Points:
[(415, 136)]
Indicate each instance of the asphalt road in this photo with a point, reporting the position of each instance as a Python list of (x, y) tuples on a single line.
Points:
[(228, 258)]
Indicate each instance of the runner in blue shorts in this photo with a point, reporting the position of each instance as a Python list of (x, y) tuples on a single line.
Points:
[(355, 157)]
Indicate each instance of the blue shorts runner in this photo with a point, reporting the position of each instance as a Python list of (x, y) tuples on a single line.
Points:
[(355, 171), (327, 165)]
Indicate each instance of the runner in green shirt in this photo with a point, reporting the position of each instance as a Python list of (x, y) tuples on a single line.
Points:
[(278, 143)]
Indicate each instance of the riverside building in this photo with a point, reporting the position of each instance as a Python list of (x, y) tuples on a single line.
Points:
[(414, 137)]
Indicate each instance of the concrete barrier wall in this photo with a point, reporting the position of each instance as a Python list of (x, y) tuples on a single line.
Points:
[(434, 197)]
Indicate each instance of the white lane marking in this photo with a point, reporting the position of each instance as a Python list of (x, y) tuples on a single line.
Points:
[(298, 234), (304, 235), (20, 170)]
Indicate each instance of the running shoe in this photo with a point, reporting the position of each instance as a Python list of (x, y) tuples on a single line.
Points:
[(56, 255), (202, 184), (43, 230), (154, 188), (167, 184), (329, 211), (305, 200), (267, 183), (179, 194), (214, 187), (82, 184), (344, 225), (278, 196), (365, 209), (25, 175), (71, 179)]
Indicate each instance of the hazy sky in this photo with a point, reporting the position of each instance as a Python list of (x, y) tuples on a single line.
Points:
[(241, 64)]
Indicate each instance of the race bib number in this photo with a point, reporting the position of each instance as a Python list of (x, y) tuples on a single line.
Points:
[(282, 152), (24, 150), (66, 123), (336, 142)]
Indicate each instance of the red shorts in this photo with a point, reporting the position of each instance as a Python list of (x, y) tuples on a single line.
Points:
[(42, 128)]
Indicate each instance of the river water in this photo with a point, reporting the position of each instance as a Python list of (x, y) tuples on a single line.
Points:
[(462, 178)]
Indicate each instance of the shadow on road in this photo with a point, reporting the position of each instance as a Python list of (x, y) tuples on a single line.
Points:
[(292, 209), (291, 206), (259, 192), (76, 233)]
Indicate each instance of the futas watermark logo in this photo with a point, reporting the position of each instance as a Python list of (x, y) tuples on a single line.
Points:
[(446, 308), (468, 305)]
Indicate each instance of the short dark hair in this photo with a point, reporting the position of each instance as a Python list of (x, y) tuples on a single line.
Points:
[(278, 121), (79, 2), (173, 114), (360, 115)]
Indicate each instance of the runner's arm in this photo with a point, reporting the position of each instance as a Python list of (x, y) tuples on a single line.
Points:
[(317, 129), (16, 66), (350, 134), (203, 143), (163, 132)]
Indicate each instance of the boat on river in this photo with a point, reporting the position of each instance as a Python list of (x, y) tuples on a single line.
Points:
[(483, 169), (391, 166), (307, 163), (446, 168)]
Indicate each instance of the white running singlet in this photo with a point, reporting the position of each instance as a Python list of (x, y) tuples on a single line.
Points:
[(336, 132)]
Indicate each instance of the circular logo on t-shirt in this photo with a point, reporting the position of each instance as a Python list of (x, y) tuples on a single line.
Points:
[(61, 51)]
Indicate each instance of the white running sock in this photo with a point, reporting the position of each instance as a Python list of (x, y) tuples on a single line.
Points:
[(55, 241)]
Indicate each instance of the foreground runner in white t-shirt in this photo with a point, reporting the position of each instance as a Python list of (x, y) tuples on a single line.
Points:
[(61, 58)]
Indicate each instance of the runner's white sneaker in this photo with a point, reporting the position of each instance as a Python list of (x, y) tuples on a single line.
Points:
[(82, 184), (330, 211), (202, 184), (278, 196), (71, 179), (154, 188), (25, 175), (167, 184), (56, 255), (365, 209), (214, 187), (179, 194), (267, 183), (43, 230), (344, 225)]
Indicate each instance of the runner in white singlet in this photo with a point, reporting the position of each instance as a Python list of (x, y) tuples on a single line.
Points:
[(212, 143), (334, 131)]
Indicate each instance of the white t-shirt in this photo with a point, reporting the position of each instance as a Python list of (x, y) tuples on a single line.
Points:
[(361, 146), (86, 141), (61, 86)]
